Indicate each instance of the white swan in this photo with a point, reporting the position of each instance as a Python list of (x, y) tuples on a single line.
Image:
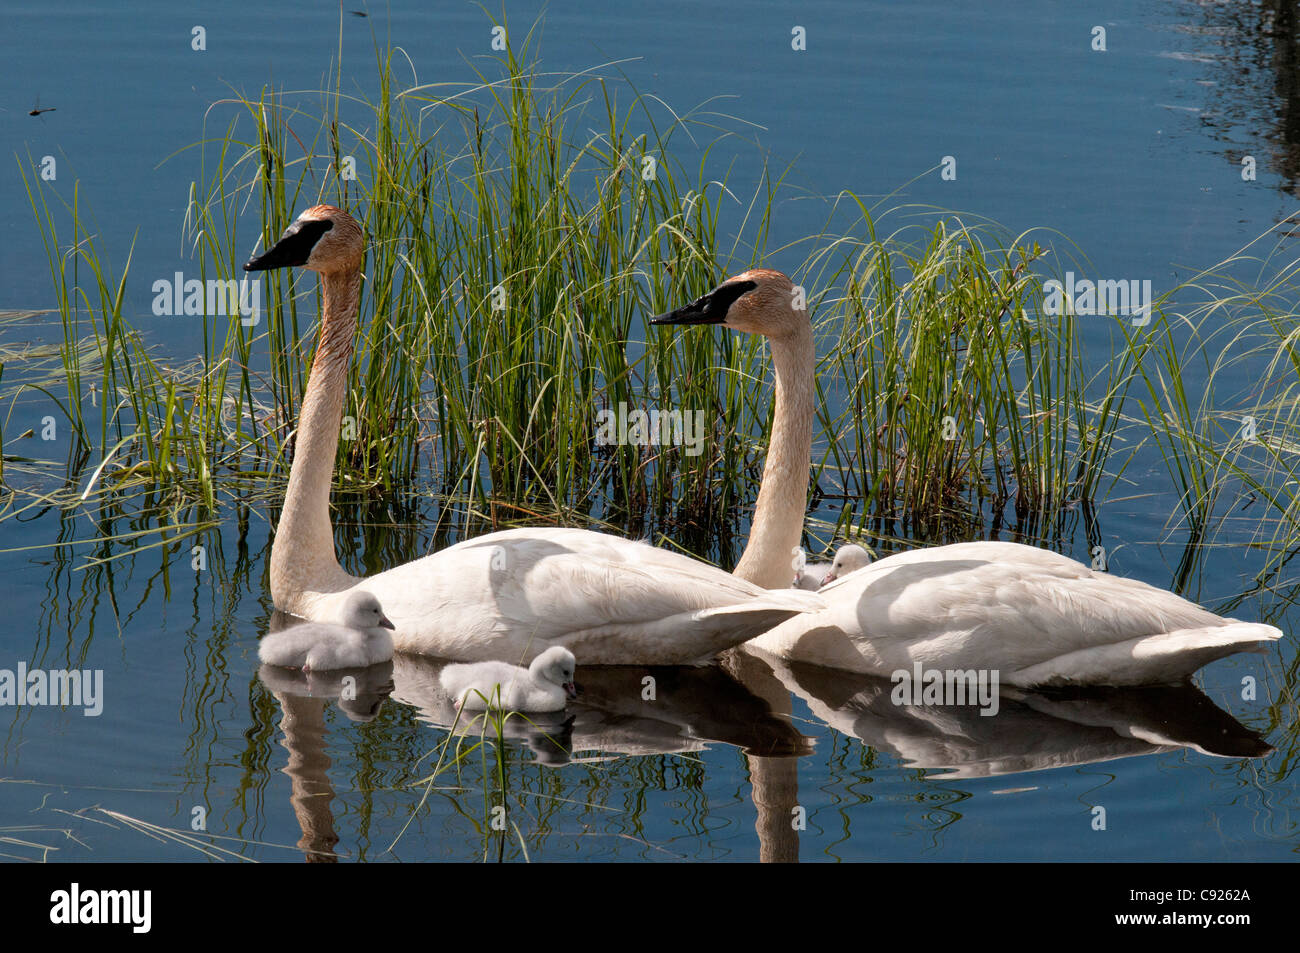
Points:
[(360, 639), (848, 558), (507, 595), (1034, 616), (543, 686)]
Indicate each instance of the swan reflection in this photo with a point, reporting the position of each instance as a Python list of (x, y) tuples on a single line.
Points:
[(303, 697), (1031, 731), (746, 702)]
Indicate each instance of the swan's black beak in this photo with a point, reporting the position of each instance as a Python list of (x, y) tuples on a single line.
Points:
[(571, 689), (294, 247), (710, 309), (385, 624)]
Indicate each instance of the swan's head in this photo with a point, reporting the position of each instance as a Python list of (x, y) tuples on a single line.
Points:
[(323, 238), (361, 611), (848, 559), (556, 666), (758, 301)]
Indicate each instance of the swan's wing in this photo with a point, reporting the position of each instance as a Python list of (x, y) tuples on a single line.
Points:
[(691, 636), (1014, 609), (1149, 660), (513, 594)]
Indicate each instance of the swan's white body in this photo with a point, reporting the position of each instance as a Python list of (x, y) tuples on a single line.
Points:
[(508, 595), (543, 686), (361, 639), (512, 594), (1036, 617)]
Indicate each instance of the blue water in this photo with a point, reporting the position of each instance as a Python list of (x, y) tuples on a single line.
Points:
[(1134, 154)]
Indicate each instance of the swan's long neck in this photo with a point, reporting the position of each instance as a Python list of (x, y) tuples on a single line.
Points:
[(302, 556), (783, 495)]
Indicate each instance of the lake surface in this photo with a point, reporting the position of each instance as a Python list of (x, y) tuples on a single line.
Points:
[(1134, 153)]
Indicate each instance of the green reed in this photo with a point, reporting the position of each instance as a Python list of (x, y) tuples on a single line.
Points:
[(1223, 404), (949, 392), (523, 229)]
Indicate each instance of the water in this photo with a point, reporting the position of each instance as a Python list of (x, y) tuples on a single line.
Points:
[(1133, 153)]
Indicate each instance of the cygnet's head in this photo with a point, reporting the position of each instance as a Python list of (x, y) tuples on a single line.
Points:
[(758, 301), (847, 559), (361, 610), (556, 666)]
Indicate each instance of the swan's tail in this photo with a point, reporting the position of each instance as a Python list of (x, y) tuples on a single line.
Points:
[(1167, 658), (696, 636)]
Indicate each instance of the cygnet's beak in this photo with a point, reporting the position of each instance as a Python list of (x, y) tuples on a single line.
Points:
[(830, 578), (384, 623), (571, 689)]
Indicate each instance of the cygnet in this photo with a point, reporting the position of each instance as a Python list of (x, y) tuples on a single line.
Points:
[(543, 686), (849, 558), (815, 575), (361, 638)]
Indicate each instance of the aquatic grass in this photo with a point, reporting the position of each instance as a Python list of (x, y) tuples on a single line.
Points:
[(200, 843), (494, 767), (523, 227), (8, 839), (518, 281), (1228, 445), (181, 838), (117, 400), (960, 401)]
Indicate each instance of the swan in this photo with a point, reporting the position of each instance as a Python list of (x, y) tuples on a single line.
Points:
[(1036, 617), (506, 595), (543, 686), (361, 638), (813, 576)]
